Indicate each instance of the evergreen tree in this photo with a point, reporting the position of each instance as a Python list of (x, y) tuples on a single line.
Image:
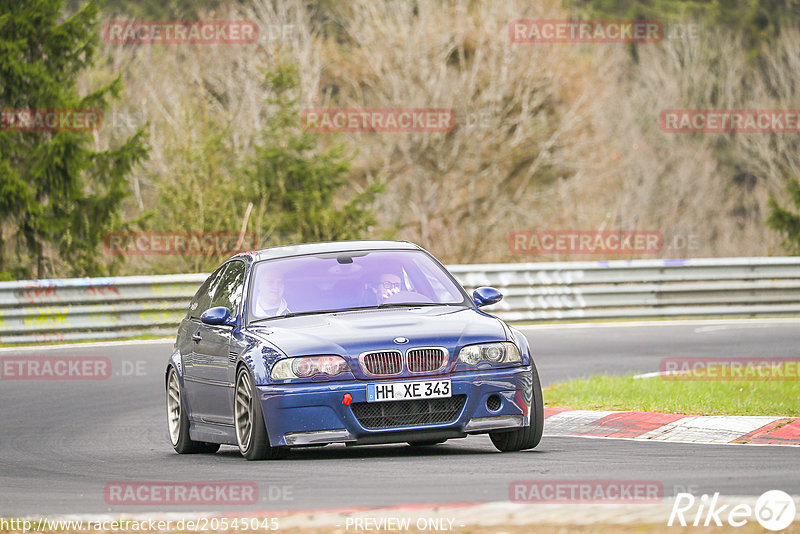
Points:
[(786, 222), (295, 184), (58, 196)]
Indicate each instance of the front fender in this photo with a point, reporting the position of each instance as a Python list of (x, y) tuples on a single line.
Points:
[(260, 356), (524, 346)]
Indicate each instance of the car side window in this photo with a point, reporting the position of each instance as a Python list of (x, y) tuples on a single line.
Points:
[(230, 287), (202, 299)]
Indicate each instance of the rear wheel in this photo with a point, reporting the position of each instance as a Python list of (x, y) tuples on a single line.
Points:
[(527, 437), (178, 421), (251, 432)]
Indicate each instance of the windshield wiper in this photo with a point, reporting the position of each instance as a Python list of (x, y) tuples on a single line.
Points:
[(358, 308), (313, 312), (407, 304)]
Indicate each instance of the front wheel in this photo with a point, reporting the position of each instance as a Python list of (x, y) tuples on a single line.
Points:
[(527, 437), (178, 421), (251, 432)]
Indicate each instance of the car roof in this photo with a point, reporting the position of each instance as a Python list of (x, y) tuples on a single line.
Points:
[(287, 251)]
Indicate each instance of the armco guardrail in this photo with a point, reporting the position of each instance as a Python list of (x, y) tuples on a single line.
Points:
[(93, 308), (99, 308)]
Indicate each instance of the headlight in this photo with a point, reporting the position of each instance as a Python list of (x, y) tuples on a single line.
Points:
[(308, 366), (489, 352)]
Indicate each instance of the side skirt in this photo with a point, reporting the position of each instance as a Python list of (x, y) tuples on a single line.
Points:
[(212, 433)]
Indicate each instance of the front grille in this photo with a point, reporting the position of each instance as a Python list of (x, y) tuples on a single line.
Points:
[(382, 363), (426, 360), (392, 414)]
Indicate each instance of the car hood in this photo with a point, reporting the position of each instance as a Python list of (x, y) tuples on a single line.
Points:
[(351, 333)]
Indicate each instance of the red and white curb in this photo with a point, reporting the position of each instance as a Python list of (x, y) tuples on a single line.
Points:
[(751, 430)]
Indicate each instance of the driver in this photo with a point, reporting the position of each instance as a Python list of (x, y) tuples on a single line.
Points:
[(388, 285), (269, 300)]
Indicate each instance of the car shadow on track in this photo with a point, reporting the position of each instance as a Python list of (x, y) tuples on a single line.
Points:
[(333, 452), (339, 452)]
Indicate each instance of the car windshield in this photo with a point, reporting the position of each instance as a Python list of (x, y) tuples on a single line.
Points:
[(349, 280)]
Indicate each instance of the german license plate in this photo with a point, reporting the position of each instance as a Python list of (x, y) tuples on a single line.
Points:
[(423, 389)]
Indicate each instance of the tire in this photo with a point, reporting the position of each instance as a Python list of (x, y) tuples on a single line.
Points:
[(251, 432), (178, 421), (529, 436), (428, 443)]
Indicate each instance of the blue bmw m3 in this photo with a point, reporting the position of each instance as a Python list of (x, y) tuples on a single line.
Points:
[(355, 342)]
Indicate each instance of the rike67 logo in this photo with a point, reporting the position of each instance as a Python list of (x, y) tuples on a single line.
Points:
[(774, 510)]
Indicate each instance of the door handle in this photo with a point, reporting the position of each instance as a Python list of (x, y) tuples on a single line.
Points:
[(196, 337)]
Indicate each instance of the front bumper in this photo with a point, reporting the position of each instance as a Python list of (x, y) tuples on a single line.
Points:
[(314, 414)]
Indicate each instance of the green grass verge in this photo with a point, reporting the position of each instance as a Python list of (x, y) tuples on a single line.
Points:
[(695, 397)]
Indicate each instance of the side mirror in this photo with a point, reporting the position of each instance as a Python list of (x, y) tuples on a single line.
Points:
[(486, 296), (219, 316)]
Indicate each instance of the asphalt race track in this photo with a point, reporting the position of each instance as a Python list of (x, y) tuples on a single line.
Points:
[(63, 441)]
